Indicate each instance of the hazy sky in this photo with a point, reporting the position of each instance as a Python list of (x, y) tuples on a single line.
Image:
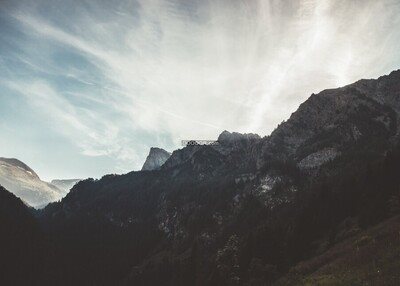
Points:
[(87, 87)]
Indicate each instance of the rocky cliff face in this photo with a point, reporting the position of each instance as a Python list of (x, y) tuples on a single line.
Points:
[(227, 143), (250, 207), (155, 159), (228, 138), (334, 120), (22, 181)]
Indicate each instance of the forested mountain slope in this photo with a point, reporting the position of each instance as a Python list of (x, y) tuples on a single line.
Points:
[(23, 248), (245, 211)]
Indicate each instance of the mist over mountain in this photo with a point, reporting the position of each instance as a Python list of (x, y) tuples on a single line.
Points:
[(65, 185), (22, 181), (249, 210)]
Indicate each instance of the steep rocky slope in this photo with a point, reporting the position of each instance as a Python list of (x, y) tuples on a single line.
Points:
[(245, 211), (22, 181), (331, 121)]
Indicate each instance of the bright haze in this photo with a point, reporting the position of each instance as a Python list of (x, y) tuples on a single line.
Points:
[(87, 87)]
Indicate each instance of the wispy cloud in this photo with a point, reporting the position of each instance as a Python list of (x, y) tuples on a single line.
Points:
[(96, 136), (125, 75)]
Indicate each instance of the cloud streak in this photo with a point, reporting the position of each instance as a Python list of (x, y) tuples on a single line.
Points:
[(126, 75)]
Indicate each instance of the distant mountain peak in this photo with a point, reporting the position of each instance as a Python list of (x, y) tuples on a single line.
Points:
[(21, 180), (155, 159), (19, 164), (65, 184)]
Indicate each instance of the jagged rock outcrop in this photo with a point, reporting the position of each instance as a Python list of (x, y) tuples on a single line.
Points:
[(227, 137), (178, 157), (155, 159), (22, 181), (227, 143)]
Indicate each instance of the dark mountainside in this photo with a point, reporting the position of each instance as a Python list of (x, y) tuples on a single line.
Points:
[(371, 256), (246, 211), (23, 247)]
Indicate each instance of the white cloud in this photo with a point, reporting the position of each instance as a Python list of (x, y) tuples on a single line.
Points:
[(94, 135), (190, 69)]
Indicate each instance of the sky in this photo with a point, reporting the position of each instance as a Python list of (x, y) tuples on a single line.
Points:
[(87, 87)]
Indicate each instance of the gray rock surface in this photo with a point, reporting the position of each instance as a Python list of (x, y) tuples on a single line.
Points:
[(228, 143), (318, 158), (155, 159)]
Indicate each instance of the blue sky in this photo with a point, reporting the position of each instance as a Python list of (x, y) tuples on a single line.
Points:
[(87, 87)]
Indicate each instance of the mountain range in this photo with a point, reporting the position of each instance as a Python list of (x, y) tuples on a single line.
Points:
[(21, 180), (302, 206)]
